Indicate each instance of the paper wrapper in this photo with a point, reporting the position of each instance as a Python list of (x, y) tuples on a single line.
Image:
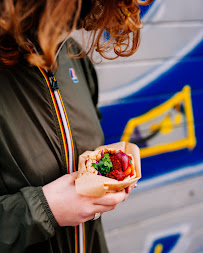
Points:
[(90, 184)]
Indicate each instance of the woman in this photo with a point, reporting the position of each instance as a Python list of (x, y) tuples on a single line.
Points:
[(48, 117)]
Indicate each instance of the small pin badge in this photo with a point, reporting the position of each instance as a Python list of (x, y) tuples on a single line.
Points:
[(73, 75)]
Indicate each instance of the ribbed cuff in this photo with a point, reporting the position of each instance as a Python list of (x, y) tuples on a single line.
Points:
[(46, 207)]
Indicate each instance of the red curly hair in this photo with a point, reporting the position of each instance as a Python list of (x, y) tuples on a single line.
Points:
[(48, 23)]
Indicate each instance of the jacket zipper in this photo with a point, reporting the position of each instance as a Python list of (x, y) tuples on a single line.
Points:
[(66, 126)]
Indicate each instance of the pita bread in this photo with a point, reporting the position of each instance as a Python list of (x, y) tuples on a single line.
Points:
[(90, 184)]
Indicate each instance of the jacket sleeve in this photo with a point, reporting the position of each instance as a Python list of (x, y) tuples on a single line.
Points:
[(25, 219)]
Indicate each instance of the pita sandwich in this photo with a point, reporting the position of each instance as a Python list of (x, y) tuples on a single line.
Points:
[(91, 180)]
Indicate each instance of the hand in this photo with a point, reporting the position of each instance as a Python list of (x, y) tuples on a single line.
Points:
[(130, 188), (70, 208)]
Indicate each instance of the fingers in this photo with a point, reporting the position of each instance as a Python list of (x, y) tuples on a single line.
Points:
[(130, 188), (102, 204), (89, 213), (74, 175), (111, 199), (96, 209), (92, 205), (103, 209), (108, 202), (92, 216)]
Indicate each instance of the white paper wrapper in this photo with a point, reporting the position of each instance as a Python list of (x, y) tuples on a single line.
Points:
[(90, 184)]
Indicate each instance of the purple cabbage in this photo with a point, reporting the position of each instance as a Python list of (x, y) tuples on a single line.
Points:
[(123, 158)]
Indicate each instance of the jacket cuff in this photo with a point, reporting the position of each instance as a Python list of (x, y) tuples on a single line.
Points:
[(46, 207)]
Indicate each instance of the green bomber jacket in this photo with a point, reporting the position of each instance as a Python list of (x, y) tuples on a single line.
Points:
[(32, 152)]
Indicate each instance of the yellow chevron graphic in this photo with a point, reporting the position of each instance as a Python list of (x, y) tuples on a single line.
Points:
[(162, 123)]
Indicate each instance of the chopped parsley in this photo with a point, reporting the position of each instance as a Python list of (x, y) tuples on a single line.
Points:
[(130, 161), (104, 165)]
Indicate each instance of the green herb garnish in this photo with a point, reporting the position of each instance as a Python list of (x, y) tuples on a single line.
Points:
[(104, 165), (130, 161)]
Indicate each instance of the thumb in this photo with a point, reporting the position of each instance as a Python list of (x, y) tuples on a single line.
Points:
[(74, 175)]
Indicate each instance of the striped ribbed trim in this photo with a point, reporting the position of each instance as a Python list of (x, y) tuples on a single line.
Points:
[(80, 235), (83, 236), (71, 138), (76, 240)]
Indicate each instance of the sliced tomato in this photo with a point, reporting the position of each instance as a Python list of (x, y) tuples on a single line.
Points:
[(128, 171), (132, 173)]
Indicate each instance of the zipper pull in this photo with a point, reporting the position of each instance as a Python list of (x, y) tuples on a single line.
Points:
[(53, 81), (54, 84)]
